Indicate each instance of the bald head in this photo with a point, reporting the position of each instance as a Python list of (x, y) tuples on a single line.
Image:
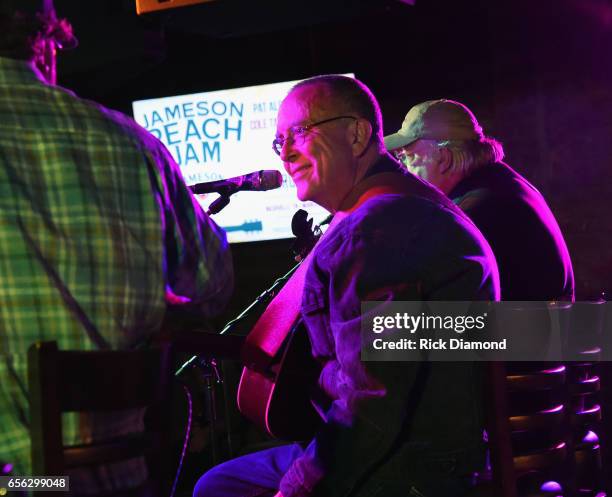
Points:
[(348, 96)]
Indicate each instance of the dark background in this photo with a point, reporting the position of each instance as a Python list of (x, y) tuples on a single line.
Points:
[(537, 74)]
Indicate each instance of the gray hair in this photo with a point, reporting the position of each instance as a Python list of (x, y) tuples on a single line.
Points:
[(469, 155)]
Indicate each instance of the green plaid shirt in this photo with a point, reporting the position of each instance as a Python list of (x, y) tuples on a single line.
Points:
[(96, 226)]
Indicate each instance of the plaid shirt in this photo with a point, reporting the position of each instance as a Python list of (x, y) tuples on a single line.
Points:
[(96, 227)]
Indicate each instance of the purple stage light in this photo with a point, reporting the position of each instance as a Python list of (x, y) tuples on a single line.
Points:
[(591, 437), (551, 486)]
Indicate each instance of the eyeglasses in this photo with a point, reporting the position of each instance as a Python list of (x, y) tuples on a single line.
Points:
[(298, 133), (406, 155), (401, 155)]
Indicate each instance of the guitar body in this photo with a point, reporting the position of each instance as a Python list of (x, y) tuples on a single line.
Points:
[(278, 399)]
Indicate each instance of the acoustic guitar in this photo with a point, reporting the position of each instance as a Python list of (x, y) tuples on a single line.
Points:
[(275, 393), (278, 400)]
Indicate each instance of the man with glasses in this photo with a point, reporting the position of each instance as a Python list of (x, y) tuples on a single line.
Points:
[(392, 426), (441, 141)]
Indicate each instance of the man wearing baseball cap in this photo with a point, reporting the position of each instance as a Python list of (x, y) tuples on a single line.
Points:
[(442, 142), (99, 237)]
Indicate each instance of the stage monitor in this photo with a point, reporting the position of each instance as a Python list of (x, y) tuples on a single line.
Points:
[(221, 134)]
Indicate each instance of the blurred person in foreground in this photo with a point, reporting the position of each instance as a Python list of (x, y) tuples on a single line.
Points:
[(442, 142), (99, 236), (389, 428)]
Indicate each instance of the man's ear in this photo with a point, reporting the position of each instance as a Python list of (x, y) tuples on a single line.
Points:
[(446, 160), (45, 60), (360, 137)]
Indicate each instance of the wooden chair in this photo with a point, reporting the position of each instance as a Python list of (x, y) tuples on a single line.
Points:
[(72, 381), (585, 343), (528, 430)]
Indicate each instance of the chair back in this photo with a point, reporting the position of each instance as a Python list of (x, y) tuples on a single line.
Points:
[(527, 414), (528, 429), (100, 381), (586, 341)]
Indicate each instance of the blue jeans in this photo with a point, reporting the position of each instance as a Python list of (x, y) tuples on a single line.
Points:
[(253, 475), (259, 475)]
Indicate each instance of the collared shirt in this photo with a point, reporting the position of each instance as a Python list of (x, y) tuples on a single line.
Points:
[(96, 228), (385, 419)]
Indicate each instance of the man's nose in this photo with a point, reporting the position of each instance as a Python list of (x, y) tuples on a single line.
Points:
[(288, 153)]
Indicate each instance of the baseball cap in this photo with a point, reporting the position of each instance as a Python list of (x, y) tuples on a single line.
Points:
[(436, 120)]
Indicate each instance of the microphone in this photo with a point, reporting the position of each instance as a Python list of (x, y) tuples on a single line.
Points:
[(259, 181)]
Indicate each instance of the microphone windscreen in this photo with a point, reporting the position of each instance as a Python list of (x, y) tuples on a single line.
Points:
[(271, 179)]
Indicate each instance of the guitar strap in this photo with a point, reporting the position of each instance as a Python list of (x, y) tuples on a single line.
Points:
[(267, 336)]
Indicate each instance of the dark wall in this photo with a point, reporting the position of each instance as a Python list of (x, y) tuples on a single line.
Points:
[(552, 107)]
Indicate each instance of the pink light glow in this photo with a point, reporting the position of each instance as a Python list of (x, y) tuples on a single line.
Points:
[(599, 10), (594, 350), (555, 370), (591, 437), (593, 409), (554, 409), (551, 486), (594, 379)]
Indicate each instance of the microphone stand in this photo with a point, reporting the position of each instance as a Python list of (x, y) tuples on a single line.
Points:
[(270, 292), (208, 365), (224, 198), (265, 296)]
